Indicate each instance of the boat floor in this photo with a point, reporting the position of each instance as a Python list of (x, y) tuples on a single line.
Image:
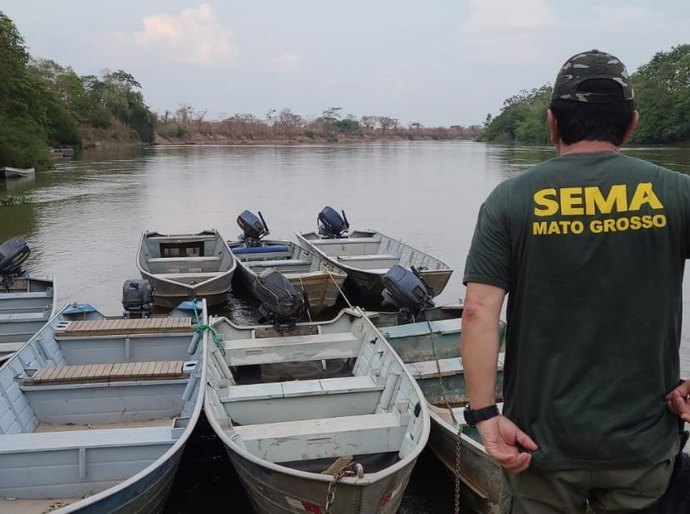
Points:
[(372, 463), (288, 371), (65, 427), (11, 506)]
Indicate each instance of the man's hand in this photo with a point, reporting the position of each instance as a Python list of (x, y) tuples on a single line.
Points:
[(504, 441), (678, 401)]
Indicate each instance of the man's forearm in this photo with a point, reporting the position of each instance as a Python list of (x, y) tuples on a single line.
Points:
[(480, 341)]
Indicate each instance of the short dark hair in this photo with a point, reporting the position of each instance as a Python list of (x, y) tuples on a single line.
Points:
[(588, 121)]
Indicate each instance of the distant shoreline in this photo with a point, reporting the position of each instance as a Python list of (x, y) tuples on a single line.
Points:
[(201, 139)]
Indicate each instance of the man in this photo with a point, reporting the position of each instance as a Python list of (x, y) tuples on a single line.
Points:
[(591, 247)]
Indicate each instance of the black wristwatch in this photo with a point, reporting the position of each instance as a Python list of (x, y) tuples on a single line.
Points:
[(472, 417)]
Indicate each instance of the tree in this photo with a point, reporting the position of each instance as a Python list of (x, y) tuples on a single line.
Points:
[(662, 89)]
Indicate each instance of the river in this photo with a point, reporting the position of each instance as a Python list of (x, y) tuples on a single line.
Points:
[(83, 221)]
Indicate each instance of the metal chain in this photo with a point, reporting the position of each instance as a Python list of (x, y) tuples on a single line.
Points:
[(444, 393), (347, 471), (457, 470)]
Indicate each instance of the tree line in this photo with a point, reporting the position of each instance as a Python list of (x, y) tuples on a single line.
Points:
[(284, 125), (44, 105), (662, 96)]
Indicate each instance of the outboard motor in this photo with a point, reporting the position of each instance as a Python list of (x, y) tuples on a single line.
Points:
[(408, 291), (13, 253), (281, 303), (331, 224), (137, 298), (253, 228)]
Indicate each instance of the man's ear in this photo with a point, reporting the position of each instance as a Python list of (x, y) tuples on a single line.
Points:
[(553, 127), (633, 125)]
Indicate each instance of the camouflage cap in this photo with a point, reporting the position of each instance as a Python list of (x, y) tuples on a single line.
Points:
[(591, 65)]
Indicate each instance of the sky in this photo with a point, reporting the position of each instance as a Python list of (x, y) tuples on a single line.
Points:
[(437, 62)]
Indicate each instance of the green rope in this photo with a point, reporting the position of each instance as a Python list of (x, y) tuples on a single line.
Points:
[(203, 327)]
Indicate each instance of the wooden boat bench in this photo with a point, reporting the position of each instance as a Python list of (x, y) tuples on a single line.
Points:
[(324, 438), (104, 327), (299, 388), (86, 439), (109, 372), (271, 350)]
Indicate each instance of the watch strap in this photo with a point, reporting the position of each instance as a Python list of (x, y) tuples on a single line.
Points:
[(472, 417)]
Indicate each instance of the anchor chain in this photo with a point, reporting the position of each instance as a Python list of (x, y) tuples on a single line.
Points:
[(348, 471)]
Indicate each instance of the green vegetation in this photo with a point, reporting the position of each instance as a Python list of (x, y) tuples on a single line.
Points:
[(662, 95), (43, 105)]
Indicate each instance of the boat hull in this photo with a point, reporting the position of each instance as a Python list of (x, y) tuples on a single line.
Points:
[(480, 474), (186, 266), (170, 294), (273, 492)]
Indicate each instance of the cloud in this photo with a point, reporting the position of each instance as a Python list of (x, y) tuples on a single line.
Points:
[(489, 15), (288, 63), (193, 36)]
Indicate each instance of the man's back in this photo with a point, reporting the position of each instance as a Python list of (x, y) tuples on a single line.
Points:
[(596, 245)]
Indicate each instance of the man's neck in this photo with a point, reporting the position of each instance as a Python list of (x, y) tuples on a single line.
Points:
[(586, 147)]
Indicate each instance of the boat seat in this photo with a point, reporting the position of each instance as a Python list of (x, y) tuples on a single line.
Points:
[(442, 327), (181, 276), (271, 350), (108, 372), (299, 388), (323, 438), (24, 316), (77, 439), (184, 260), (278, 262), (344, 240), (448, 367), (261, 250), (371, 257), (123, 327)]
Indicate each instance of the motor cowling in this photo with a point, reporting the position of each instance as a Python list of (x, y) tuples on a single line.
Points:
[(331, 224), (137, 298), (281, 303), (13, 253), (253, 228), (407, 291)]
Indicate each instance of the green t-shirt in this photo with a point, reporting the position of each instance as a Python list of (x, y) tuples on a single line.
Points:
[(591, 250)]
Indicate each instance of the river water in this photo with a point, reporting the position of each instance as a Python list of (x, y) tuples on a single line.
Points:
[(84, 219)]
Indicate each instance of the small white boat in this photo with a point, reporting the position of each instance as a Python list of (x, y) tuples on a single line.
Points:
[(318, 279), (186, 266), (10, 172), (95, 412), (322, 417), (26, 304)]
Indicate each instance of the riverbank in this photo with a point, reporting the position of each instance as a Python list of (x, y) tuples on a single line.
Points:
[(218, 139)]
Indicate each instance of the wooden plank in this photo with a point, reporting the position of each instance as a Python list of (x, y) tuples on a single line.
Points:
[(129, 326), (108, 372)]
